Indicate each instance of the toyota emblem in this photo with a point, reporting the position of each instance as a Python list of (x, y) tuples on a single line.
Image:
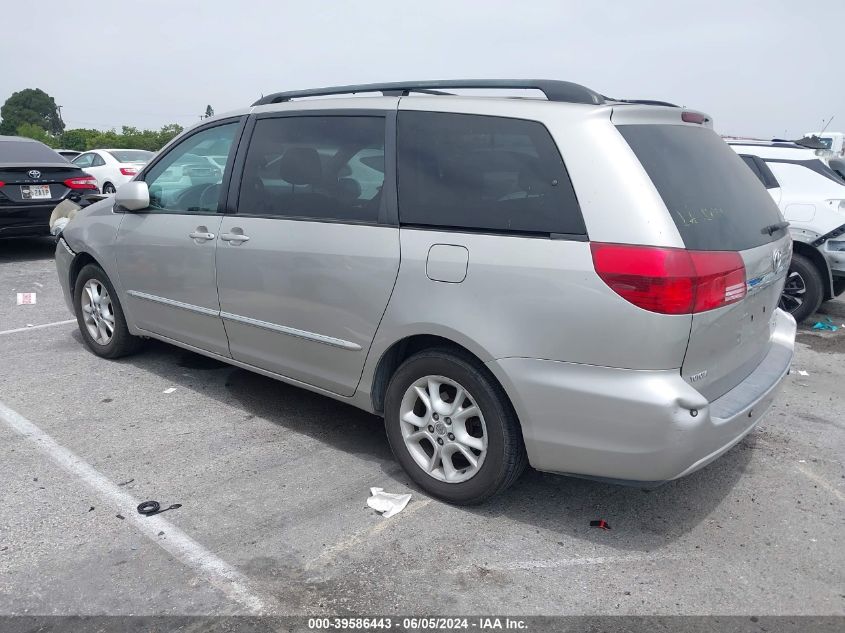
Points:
[(34, 174), (777, 260)]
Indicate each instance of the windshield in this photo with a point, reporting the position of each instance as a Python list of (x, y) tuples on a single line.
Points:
[(717, 203), (131, 155)]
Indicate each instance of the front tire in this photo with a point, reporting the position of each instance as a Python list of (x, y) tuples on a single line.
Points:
[(452, 428), (804, 289), (100, 315)]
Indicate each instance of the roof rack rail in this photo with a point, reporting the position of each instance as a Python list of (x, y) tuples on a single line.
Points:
[(651, 102), (563, 91)]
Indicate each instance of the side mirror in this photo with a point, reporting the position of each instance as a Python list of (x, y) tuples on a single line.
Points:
[(132, 196)]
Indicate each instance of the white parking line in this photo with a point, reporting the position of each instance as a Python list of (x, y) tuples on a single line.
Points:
[(824, 483), (330, 553), (37, 327), (177, 543), (530, 565)]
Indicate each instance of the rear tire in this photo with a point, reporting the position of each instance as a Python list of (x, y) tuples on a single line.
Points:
[(463, 460), (100, 315), (804, 289), (109, 188)]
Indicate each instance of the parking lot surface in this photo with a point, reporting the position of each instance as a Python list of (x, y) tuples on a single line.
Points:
[(273, 482)]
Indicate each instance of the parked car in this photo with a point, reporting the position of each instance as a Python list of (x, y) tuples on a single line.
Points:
[(812, 198), (33, 180), (69, 154), (489, 298), (112, 167)]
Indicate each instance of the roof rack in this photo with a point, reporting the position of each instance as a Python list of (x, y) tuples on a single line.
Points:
[(650, 102), (562, 91)]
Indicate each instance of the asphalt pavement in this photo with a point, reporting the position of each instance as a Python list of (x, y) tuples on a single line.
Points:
[(273, 481)]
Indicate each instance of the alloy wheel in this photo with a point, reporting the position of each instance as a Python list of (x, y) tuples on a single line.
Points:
[(443, 429), (97, 311), (794, 290)]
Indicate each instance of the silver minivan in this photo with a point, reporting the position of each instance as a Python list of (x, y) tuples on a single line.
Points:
[(578, 283)]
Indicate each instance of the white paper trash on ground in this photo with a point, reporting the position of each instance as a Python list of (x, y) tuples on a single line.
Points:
[(26, 298), (387, 503), (801, 372), (169, 390)]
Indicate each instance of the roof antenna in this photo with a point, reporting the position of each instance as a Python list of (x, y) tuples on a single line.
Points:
[(828, 123)]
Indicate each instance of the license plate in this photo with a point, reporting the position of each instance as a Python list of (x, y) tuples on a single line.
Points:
[(35, 192)]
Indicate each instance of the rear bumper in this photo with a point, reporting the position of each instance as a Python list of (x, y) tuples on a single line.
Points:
[(635, 426), (25, 220)]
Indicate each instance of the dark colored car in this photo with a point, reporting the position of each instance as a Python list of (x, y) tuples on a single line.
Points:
[(33, 180)]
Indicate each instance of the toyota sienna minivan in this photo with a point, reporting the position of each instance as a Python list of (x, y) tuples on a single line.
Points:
[(583, 284)]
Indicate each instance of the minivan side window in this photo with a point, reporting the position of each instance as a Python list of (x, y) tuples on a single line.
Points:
[(483, 173), (188, 178), (315, 167)]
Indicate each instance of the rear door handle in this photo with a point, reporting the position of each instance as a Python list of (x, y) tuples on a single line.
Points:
[(235, 238), (201, 234)]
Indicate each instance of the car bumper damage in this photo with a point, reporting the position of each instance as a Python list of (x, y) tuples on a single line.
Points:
[(64, 260), (641, 427)]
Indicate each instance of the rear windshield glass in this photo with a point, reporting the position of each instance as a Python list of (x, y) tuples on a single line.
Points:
[(131, 155), (27, 152), (717, 203)]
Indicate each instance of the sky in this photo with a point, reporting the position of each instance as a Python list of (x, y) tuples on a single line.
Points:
[(759, 68)]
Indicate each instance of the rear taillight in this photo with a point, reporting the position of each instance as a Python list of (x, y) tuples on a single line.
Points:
[(670, 280), (2, 184), (128, 171), (81, 182)]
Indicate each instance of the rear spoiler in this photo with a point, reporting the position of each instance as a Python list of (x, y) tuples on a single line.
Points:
[(654, 114)]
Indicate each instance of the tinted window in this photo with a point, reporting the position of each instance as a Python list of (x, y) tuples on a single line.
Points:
[(761, 170), (483, 173), (97, 161), (315, 167), (717, 203), (185, 180), (131, 155), (27, 152)]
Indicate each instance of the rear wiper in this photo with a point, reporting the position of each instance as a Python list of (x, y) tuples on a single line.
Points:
[(774, 227)]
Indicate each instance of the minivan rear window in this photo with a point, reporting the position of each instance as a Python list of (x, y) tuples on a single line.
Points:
[(717, 203)]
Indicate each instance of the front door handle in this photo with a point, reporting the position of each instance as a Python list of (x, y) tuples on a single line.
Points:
[(235, 238), (201, 234)]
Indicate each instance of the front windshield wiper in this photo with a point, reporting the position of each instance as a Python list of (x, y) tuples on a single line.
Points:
[(771, 228)]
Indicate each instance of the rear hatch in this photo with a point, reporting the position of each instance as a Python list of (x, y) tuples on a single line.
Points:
[(719, 206)]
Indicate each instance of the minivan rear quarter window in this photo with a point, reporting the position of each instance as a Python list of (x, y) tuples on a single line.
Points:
[(717, 203), (483, 173)]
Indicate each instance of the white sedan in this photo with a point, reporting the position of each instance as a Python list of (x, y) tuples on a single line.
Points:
[(112, 167)]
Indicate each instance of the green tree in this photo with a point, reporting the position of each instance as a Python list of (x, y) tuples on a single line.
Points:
[(30, 130), (31, 105), (129, 137), (77, 139)]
